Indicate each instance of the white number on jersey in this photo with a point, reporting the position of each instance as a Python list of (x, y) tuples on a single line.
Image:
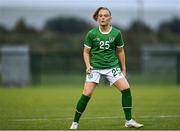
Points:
[(104, 45)]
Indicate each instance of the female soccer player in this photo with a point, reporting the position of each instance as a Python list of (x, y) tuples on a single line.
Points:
[(103, 49)]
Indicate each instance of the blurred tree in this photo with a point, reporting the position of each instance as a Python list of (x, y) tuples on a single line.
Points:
[(21, 27), (139, 33), (173, 26), (169, 31), (136, 35), (67, 25), (139, 26), (3, 29)]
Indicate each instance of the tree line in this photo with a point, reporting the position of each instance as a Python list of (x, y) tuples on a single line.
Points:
[(61, 32), (66, 35)]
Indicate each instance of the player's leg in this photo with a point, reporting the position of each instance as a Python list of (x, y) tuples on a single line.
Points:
[(123, 86), (89, 86), (117, 79), (84, 99), (82, 103)]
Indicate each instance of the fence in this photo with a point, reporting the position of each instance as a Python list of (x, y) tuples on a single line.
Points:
[(57, 68), (15, 66)]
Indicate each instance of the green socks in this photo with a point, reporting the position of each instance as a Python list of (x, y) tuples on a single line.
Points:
[(127, 103), (81, 105)]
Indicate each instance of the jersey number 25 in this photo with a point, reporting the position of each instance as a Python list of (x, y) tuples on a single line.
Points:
[(104, 45)]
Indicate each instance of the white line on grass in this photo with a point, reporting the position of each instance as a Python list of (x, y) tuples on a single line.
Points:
[(91, 118)]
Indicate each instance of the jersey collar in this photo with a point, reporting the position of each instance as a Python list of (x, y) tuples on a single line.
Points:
[(105, 32)]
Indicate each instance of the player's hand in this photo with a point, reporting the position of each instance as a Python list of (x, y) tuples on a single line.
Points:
[(88, 69)]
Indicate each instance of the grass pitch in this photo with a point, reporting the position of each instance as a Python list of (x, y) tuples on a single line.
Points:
[(52, 107)]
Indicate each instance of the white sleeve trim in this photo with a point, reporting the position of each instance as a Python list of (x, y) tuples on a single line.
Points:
[(87, 46), (120, 46)]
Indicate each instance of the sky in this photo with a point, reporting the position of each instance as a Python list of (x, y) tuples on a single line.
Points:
[(148, 4), (124, 11)]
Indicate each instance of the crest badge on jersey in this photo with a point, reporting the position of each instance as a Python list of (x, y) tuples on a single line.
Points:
[(90, 76), (111, 39)]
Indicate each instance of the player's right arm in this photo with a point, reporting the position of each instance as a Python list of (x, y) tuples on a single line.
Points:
[(86, 55), (86, 52)]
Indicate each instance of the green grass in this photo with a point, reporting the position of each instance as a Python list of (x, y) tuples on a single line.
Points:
[(52, 107)]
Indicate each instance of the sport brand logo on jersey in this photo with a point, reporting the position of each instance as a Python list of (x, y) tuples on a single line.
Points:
[(96, 39), (111, 39)]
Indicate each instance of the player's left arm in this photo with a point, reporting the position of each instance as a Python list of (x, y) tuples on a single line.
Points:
[(121, 57), (121, 53)]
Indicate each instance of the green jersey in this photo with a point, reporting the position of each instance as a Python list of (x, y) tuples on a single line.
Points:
[(103, 47)]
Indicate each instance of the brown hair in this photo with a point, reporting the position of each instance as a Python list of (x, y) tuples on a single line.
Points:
[(97, 11)]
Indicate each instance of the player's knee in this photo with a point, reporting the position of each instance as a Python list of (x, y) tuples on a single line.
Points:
[(125, 87), (87, 92)]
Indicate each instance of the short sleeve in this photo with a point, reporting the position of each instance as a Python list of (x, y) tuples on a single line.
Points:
[(88, 40), (119, 40)]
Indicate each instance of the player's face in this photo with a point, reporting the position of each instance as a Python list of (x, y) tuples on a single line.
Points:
[(104, 17)]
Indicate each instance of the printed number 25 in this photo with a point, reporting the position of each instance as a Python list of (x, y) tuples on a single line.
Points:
[(104, 45), (116, 71)]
